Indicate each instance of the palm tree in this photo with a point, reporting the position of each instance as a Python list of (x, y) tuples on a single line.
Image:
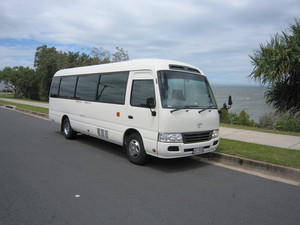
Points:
[(277, 66)]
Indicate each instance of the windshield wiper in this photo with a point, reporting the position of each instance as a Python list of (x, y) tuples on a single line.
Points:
[(185, 107), (174, 110), (202, 110)]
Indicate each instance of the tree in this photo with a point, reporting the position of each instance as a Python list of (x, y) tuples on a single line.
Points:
[(22, 80), (277, 66), (35, 84), (102, 54), (106, 56), (120, 55), (47, 63)]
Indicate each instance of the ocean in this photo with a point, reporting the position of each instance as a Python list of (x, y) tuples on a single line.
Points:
[(248, 98)]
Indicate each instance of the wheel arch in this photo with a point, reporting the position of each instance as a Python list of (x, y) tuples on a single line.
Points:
[(127, 134)]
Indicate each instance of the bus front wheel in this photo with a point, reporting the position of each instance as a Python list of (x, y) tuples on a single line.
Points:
[(69, 133), (135, 149)]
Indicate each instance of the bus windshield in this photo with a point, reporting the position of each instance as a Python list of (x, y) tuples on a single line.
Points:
[(182, 90)]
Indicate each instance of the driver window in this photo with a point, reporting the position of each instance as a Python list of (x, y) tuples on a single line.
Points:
[(141, 91)]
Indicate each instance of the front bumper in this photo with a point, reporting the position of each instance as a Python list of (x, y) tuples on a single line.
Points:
[(177, 150)]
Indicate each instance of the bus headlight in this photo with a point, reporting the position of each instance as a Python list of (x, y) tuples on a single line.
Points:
[(215, 134), (170, 137)]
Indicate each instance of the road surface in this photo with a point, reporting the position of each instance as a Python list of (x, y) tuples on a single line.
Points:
[(46, 179)]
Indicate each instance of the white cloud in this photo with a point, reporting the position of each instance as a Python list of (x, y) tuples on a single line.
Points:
[(16, 56), (216, 35)]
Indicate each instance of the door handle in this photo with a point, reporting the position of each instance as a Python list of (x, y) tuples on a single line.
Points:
[(130, 117)]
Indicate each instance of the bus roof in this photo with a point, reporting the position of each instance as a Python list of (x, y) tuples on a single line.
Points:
[(137, 64)]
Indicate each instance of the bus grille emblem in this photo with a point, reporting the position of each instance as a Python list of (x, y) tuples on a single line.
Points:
[(199, 125)]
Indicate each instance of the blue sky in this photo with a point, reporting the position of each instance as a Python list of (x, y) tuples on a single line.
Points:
[(215, 35)]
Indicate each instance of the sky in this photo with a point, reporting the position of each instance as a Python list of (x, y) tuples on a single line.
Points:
[(215, 35)]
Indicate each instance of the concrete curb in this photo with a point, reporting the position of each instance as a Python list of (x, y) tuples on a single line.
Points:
[(45, 116), (12, 107), (248, 164)]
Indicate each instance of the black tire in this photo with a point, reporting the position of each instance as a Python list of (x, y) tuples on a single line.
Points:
[(69, 133), (135, 149)]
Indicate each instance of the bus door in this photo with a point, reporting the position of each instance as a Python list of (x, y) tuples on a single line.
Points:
[(140, 116)]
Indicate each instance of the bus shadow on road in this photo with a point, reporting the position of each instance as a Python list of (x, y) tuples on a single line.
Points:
[(175, 165), (163, 165), (99, 145)]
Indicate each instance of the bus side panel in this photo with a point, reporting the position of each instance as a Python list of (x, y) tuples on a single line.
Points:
[(104, 121)]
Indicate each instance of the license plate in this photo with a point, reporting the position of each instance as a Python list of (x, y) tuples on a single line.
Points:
[(198, 150)]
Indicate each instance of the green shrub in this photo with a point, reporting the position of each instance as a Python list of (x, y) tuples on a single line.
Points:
[(268, 120), (288, 123), (227, 117), (244, 119), (232, 118)]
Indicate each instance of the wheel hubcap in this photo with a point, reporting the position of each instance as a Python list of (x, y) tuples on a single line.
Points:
[(66, 128), (134, 148)]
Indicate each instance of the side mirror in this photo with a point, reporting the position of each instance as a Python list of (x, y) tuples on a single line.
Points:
[(229, 103), (150, 103)]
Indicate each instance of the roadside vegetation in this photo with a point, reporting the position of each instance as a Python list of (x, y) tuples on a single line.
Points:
[(259, 129), (271, 122)]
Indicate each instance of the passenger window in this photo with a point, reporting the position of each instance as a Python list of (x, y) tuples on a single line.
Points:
[(141, 91), (67, 87), (112, 88), (87, 87), (54, 87)]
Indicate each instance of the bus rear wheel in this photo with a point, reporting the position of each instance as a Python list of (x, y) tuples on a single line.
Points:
[(69, 133), (135, 149)]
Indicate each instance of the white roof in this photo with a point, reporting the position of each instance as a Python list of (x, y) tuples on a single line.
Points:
[(137, 64)]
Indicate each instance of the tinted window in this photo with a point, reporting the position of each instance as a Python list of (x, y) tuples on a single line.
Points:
[(141, 90), (87, 87), (54, 87), (67, 87), (112, 88)]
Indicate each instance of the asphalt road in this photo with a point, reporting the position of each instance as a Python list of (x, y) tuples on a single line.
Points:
[(46, 179)]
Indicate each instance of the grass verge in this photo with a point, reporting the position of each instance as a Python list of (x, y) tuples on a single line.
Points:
[(275, 155), (28, 107)]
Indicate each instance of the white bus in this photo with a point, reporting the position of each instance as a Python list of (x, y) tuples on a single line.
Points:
[(151, 107)]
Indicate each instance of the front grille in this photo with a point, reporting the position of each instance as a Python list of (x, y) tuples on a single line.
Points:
[(196, 137)]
